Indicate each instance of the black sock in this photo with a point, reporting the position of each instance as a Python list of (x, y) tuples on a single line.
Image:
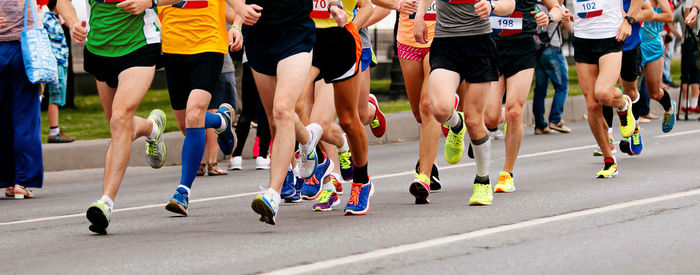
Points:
[(608, 115), (492, 129), (511, 174), (458, 128), (481, 180), (321, 155), (360, 175), (636, 110), (665, 101)]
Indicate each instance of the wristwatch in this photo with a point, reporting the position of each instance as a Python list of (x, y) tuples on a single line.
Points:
[(630, 19), (551, 18), (493, 5), (335, 3)]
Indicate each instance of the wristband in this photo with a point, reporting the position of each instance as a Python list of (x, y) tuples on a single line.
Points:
[(398, 5), (237, 27)]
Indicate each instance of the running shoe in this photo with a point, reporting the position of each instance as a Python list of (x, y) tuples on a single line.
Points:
[(669, 119), (597, 152), (289, 185), (235, 163), (307, 161), (627, 123), (505, 183), (445, 129), (420, 188), (99, 214), (637, 146), (336, 183), (262, 163), (346, 165), (296, 198), (312, 187), (498, 134), (179, 202), (361, 194), (60, 138), (265, 205), (327, 200), (609, 170), (625, 146), (481, 194), (454, 144), (435, 183), (156, 151), (227, 137), (21, 192), (378, 124)]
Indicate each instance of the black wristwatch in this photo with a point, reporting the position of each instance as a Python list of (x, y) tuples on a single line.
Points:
[(630, 20), (154, 3), (551, 18)]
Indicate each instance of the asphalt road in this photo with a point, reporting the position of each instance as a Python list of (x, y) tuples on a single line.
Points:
[(560, 220)]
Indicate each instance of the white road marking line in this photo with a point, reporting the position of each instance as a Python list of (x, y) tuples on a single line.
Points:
[(678, 134), (129, 208), (383, 252), (255, 193)]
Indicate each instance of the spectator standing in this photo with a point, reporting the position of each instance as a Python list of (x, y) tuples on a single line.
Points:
[(21, 164), (551, 65), (690, 75), (57, 95)]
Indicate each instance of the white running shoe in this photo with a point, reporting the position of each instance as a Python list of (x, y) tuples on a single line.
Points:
[(308, 160), (235, 163), (262, 163)]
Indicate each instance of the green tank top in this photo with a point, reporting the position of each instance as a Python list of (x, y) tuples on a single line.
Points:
[(114, 32)]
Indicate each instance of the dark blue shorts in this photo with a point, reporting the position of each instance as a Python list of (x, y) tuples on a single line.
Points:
[(266, 46)]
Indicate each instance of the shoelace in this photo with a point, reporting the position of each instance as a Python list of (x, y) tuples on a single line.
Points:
[(344, 159), (152, 149), (374, 123), (636, 138), (455, 138), (355, 194), (482, 189), (502, 178), (325, 196), (421, 177), (312, 181), (667, 118)]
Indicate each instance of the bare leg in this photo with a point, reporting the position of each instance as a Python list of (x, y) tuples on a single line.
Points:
[(518, 89), (587, 74), (212, 148), (53, 115), (364, 108), (346, 98)]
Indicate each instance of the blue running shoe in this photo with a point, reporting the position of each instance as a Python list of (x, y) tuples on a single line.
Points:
[(669, 118), (179, 203), (265, 205), (358, 204), (636, 146), (227, 137), (297, 197), (289, 186), (313, 186)]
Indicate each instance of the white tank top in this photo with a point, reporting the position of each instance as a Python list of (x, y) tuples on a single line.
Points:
[(597, 19)]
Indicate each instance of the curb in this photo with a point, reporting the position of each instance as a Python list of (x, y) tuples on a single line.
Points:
[(400, 127)]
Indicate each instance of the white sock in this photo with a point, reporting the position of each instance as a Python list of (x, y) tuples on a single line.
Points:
[(108, 201), (295, 170), (329, 186), (637, 99), (54, 131), (623, 108), (610, 130), (305, 146), (275, 196), (693, 102), (454, 120), (482, 156), (223, 123), (345, 146), (186, 188), (154, 132)]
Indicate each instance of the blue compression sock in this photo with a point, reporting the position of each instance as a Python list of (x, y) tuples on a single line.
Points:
[(192, 152), (212, 121)]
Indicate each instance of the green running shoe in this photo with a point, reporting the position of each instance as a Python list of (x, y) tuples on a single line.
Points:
[(454, 144), (99, 214), (155, 150)]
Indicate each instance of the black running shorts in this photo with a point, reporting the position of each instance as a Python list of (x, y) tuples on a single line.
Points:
[(107, 69), (185, 73), (337, 53), (515, 55), (631, 64), (266, 46), (472, 57), (590, 51)]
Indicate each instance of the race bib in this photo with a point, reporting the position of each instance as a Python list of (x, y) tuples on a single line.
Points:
[(320, 10), (460, 1), (505, 26), (430, 15), (588, 8), (192, 4)]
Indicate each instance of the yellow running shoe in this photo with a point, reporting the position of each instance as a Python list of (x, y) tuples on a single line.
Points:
[(454, 144), (481, 194), (609, 171), (626, 119), (505, 183)]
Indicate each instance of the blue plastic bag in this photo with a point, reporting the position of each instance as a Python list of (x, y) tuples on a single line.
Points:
[(39, 62)]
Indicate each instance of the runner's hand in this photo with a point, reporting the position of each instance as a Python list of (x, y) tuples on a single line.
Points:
[(2, 22), (692, 17), (135, 6), (566, 16), (340, 16), (408, 6), (420, 30), (250, 14), (79, 32), (541, 18), (483, 9), (235, 39), (624, 31)]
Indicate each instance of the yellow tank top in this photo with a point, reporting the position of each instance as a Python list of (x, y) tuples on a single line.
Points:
[(323, 18), (194, 26)]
